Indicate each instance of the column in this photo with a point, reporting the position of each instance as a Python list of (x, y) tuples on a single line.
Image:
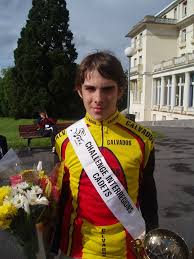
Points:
[(168, 92), (158, 91), (162, 91), (180, 83), (173, 93), (186, 91), (154, 92)]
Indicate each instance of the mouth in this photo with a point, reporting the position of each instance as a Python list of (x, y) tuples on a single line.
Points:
[(98, 109)]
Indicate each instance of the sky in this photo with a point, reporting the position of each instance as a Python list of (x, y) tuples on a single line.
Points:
[(95, 24)]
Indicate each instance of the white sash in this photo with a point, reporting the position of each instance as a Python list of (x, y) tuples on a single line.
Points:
[(104, 180)]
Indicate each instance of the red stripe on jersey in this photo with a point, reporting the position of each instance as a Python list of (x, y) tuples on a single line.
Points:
[(139, 140), (77, 248), (92, 207), (66, 204), (129, 245), (63, 148)]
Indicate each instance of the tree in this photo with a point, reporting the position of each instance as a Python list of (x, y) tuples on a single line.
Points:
[(45, 65), (6, 92)]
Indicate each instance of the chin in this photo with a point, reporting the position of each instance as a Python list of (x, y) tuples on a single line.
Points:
[(98, 117)]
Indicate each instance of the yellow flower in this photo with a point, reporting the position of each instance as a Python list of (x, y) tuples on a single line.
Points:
[(7, 213), (4, 224), (4, 191), (41, 174)]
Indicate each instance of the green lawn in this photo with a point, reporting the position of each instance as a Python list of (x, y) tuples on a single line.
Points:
[(9, 129)]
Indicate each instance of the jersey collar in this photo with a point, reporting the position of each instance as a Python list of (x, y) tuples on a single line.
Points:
[(111, 120)]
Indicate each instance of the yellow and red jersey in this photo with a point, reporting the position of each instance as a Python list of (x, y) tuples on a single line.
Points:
[(88, 228)]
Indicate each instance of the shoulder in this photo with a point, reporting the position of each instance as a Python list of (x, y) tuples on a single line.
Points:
[(139, 130), (61, 140), (61, 136)]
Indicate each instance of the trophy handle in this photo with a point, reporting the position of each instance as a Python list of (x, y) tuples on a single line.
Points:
[(192, 253), (138, 248)]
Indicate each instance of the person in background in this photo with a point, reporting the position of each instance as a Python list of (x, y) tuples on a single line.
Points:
[(47, 127), (3, 146), (88, 225)]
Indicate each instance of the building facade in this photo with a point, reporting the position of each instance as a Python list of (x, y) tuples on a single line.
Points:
[(162, 67)]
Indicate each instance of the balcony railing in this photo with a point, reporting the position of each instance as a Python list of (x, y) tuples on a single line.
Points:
[(180, 60), (191, 57), (165, 108), (156, 107), (178, 109), (150, 18), (136, 69), (174, 62), (168, 63)]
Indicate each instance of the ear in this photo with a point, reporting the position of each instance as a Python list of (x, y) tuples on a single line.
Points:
[(80, 92), (120, 93)]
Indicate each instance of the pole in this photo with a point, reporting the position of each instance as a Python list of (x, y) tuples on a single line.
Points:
[(129, 53), (128, 88), (129, 115)]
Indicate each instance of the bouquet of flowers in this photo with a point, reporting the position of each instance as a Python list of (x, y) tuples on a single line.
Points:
[(22, 205)]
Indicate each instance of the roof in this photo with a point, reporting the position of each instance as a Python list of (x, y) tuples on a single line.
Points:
[(149, 19), (168, 8)]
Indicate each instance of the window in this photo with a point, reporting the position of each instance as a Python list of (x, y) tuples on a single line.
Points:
[(140, 39), (193, 33), (184, 35), (191, 101), (154, 117), (140, 59), (135, 42), (158, 91), (136, 86), (135, 62), (184, 9), (191, 94), (165, 92), (135, 93), (137, 115), (179, 91), (169, 87), (175, 13), (163, 118)]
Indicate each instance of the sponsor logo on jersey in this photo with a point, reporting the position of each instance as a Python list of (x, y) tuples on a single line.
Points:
[(122, 142)]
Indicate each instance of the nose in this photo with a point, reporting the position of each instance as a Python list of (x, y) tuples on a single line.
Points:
[(98, 97)]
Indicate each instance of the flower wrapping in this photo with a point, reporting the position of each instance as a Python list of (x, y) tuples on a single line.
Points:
[(23, 205)]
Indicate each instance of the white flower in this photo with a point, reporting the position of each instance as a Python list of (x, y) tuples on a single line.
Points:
[(34, 197), (26, 206), (16, 191), (22, 186), (23, 195), (31, 196), (41, 201), (37, 189), (20, 201)]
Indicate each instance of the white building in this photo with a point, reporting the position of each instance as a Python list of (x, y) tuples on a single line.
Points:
[(162, 68)]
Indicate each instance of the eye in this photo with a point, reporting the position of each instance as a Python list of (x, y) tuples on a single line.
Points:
[(90, 88), (108, 89)]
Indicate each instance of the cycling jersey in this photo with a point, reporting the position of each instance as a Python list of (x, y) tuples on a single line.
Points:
[(88, 228)]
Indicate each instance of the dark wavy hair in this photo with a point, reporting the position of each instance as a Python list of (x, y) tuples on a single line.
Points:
[(106, 64)]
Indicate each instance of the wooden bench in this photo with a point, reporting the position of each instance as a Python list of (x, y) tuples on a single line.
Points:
[(30, 132)]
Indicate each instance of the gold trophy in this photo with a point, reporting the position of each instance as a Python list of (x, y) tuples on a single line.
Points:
[(161, 244)]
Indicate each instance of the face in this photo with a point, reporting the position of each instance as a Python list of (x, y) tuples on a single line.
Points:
[(100, 95), (42, 115)]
